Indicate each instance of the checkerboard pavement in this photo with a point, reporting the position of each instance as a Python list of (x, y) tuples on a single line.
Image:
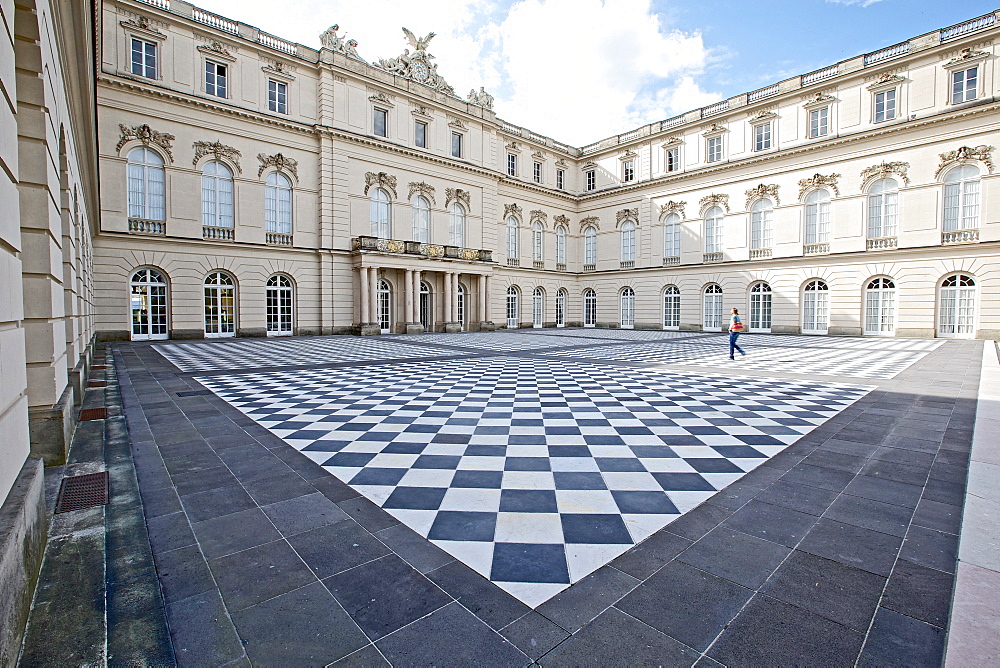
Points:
[(534, 472), (501, 341)]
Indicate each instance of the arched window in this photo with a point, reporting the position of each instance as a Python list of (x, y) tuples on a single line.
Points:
[(628, 241), (589, 308), (148, 297), (421, 220), (880, 307), (627, 303), (426, 315), (817, 217), (883, 205), (279, 305), (538, 308), (957, 306), (760, 307), (461, 307), (672, 236), (383, 293), (760, 224), (713, 230), (537, 239), (456, 230), (513, 247), (278, 203), (220, 305), (513, 307), (712, 321), (560, 245), (589, 247), (815, 308), (961, 199), (216, 195), (145, 185), (561, 298), (379, 214), (671, 307)]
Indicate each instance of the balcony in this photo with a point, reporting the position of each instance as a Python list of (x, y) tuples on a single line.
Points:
[(217, 233), (590, 267), (671, 261), (538, 264), (436, 251), (960, 237), (711, 257), (278, 239), (881, 243), (760, 253), (513, 262), (816, 249), (560, 266), (142, 226), (628, 264)]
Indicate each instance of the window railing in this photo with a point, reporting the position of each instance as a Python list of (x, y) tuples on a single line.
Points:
[(819, 75), (538, 264), (215, 21), (513, 262), (967, 27), (887, 53), (217, 233), (590, 267), (712, 257), (759, 253), (879, 243), (816, 249), (628, 264), (671, 260), (960, 237), (143, 226), (274, 42), (560, 266), (278, 239)]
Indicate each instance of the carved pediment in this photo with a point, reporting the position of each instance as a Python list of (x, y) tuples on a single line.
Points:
[(513, 147), (540, 216), (381, 98), (672, 142), (279, 70), (714, 130), (590, 221), (217, 150), (819, 181), (457, 124), (887, 80), (762, 191), (562, 164), (218, 50), (422, 189), (982, 153), (672, 207), (380, 180), (143, 24), (279, 162), (966, 57), (148, 136), (590, 164), (762, 116), (512, 210), (538, 156), (457, 195), (881, 171), (627, 214), (422, 112), (714, 200), (628, 155)]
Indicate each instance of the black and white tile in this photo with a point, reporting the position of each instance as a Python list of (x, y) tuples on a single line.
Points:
[(500, 341)]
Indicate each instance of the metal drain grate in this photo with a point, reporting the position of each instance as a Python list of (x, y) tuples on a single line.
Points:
[(194, 393), (82, 491), (97, 383), (93, 414)]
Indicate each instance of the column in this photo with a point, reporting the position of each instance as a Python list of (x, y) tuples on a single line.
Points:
[(408, 292), (364, 295), (454, 297), (416, 296), (373, 294), (487, 316), (447, 298), (481, 307)]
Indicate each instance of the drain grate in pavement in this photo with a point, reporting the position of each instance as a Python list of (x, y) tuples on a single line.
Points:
[(93, 414), (194, 393), (82, 491), (97, 383)]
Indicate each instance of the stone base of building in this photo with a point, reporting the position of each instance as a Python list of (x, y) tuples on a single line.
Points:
[(991, 334), (23, 531), (369, 329), (251, 332), (785, 329), (844, 331), (114, 335), (413, 328), (916, 333), (50, 429), (487, 326), (187, 334), (451, 327)]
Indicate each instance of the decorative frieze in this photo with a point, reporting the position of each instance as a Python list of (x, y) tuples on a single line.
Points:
[(590, 221), (217, 150), (881, 171), (512, 210), (281, 163), (627, 214), (819, 181), (381, 180), (762, 191), (982, 153), (424, 190), (457, 195), (148, 136), (672, 207), (714, 200)]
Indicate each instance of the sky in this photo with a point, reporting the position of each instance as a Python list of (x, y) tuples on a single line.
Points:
[(582, 70)]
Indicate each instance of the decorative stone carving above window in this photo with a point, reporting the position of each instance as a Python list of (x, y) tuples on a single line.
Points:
[(561, 220), (278, 70), (279, 162), (672, 207), (457, 124), (819, 181), (148, 136), (142, 24), (818, 100), (714, 200), (966, 58), (673, 141), (381, 98), (422, 112), (982, 153), (885, 82), (416, 66), (540, 216), (422, 189), (457, 195), (218, 150), (762, 116), (590, 221), (219, 51), (627, 214), (628, 155), (881, 171), (562, 164), (590, 164), (714, 130), (512, 210), (513, 147), (380, 180), (538, 156), (762, 191)]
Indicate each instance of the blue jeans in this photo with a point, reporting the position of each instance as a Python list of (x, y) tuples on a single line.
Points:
[(732, 343)]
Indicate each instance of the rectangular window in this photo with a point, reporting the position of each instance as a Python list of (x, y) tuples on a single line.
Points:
[(215, 79), (560, 178), (714, 149), (144, 58), (511, 164), (420, 134), (591, 179), (456, 144), (964, 85), (673, 159), (819, 122), (629, 169), (277, 96), (380, 122), (885, 105), (762, 137), (536, 172)]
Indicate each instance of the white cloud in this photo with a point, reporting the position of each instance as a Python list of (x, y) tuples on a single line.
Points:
[(577, 70)]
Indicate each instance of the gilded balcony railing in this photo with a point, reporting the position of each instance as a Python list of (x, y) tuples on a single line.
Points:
[(437, 251)]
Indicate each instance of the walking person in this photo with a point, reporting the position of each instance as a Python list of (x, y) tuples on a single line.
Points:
[(735, 329)]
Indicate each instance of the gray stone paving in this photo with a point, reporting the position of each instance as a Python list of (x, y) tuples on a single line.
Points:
[(838, 550)]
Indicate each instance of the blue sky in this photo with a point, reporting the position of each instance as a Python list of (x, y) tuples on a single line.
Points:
[(581, 70)]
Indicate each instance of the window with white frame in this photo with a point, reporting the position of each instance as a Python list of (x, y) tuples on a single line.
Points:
[(627, 310), (815, 307), (961, 199), (561, 298), (673, 159), (713, 152), (964, 85), (819, 122), (760, 224), (148, 299), (628, 241), (883, 205), (589, 308), (277, 203), (513, 307), (760, 307), (511, 164), (220, 305), (590, 246), (885, 105), (421, 219), (628, 171), (713, 230), (277, 96), (957, 306), (880, 307), (537, 308), (560, 245), (560, 179), (420, 134), (146, 198), (216, 195), (456, 144), (216, 79), (817, 217), (279, 303), (672, 235), (143, 58), (712, 320), (456, 226), (379, 214), (537, 240), (383, 306), (591, 179), (671, 307), (536, 172), (762, 136), (380, 122), (513, 249)]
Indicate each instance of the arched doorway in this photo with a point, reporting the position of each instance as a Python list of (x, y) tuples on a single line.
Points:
[(279, 305), (148, 300), (220, 305)]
